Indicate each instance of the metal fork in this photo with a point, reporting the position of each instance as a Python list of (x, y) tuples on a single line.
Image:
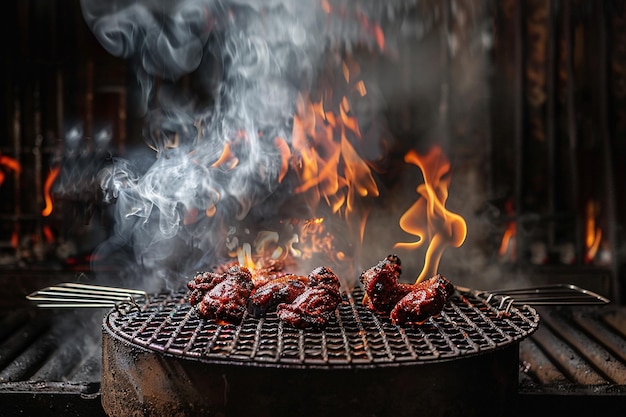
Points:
[(75, 295)]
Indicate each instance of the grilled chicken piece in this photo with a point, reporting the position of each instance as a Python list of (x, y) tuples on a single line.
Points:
[(425, 300), (201, 283), (314, 307), (270, 270), (382, 287), (440, 282), (224, 296), (405, 303), (283, 289)]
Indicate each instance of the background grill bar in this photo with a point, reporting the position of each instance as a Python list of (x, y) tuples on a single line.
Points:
[(577, 350)]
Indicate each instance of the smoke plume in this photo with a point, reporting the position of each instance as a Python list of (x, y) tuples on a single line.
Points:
[(249, 62)]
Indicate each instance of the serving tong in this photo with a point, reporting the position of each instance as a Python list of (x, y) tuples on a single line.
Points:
[(542, 295), (76, 295)]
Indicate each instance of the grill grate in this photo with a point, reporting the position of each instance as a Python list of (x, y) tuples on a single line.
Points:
[(355, 336)]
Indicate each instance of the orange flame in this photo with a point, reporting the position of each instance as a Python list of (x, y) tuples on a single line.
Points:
[(52, 176), (510, 232), (285, 154), (372, 29), (211, 210), (325, 158), (226, 157), (427, 218), (9, 163), (297, 240), (316, 239), (266, 248), (593, 234), (244, 257), (507, 238)]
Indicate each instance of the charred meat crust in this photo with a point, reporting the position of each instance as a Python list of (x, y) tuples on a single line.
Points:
[(314, 307), (221, 297), (285, 289), (302, 302), (426, 300), (405, 303), (382, 286)]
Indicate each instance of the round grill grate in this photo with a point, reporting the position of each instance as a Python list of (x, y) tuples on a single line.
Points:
[(355, 337)]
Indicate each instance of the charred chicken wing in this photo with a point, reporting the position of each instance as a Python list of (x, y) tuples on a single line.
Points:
[(405, 303), (426, 300), (316, 304), (382, 286), (279, 290), (222, 297)]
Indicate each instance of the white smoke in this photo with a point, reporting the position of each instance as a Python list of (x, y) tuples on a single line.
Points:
[(250, 60)]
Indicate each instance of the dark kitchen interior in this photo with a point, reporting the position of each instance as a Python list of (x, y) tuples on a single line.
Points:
[(527, 98)]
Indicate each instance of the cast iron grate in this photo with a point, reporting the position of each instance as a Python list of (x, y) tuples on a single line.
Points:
[(354, 337)]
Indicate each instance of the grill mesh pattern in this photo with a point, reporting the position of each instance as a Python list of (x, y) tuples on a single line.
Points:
[(355, 336)]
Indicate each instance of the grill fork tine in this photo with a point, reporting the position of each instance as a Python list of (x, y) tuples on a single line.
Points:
[(76, 295)]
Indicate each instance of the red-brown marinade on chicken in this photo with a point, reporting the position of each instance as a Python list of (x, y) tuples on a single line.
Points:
[(405, 303), (285, 289), (222, 297), (314, 307), (426, 300), (382, 286)]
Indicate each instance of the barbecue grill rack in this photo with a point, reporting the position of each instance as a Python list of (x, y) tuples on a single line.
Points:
[(474, 321), (355, 337)]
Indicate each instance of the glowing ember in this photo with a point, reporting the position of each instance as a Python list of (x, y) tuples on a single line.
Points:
[(54, 173), (48, 235), (298, 244), (316, 239), (15, 237), (593, 234), (268, 252), (428, 219)]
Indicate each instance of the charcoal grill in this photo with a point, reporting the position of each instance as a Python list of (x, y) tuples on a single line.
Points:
[(164, 360)]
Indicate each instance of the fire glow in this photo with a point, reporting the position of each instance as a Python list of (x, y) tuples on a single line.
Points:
[(326, 161), (428, 219), (52, 176), (593, 234), (298, 240), (9, 164), (330, 170), (507, 245), (276, 166)]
